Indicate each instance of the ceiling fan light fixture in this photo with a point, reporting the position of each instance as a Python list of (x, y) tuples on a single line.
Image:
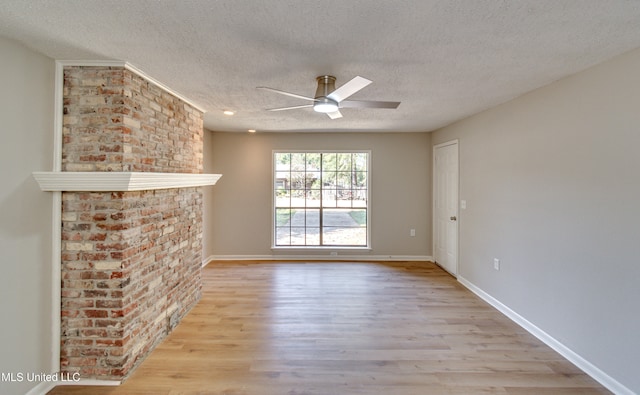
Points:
[(325, 106)]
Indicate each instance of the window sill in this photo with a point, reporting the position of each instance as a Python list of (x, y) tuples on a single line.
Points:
[(319, 248)]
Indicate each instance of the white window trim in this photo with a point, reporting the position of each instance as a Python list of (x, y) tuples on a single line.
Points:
[(275, 247)]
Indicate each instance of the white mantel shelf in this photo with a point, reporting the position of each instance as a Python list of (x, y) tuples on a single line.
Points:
[(119, 181)]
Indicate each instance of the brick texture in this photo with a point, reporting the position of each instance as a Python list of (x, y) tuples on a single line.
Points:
[(130, 260), (114, 120)]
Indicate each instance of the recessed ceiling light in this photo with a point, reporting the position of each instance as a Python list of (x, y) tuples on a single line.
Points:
[(228, 112), (251, 130)]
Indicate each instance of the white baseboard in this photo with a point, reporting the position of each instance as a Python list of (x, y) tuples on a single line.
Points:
[(46, 386), (416, 258), (607, 381), (42, 388)]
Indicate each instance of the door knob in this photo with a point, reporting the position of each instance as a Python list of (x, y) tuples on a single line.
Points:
[(453, 218)]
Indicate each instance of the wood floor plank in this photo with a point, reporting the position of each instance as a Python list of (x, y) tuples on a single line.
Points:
[(321, 328)]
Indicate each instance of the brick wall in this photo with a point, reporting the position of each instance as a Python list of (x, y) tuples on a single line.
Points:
[(114, 120), (130, 260)]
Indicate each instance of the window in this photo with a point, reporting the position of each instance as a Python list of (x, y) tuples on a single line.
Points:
[(321, 198)]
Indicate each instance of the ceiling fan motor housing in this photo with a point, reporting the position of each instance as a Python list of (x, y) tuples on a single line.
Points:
[(326, 85)]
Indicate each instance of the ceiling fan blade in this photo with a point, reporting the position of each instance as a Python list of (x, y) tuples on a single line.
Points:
[(369, 104), (334, 115), (348, 89), (290, 108), (286, 93)]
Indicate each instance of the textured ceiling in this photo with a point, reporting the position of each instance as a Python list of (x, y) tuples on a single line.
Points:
[(444, 60)]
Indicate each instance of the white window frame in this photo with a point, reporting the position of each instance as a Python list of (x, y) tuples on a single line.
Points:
[(274, 246)]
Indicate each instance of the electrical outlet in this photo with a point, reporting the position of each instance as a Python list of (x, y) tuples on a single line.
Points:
[(334, 253), (496, 263), (412, 233)]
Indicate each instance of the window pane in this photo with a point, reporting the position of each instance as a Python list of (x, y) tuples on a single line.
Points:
[(313, 198), (313, 161), (282, 179), (329, 197), (329, 161), (329, 179), (313, 180), (359, 216), (283, 216), (283, 198), (342, 236), (313, 236), (360, 161), (282, 158), (297, 179), (297, 218), (297, 235), (297, 197), (282, 236), (344, 162), (337, 217), (312, 218), (359, 203), (344, 201), (298, 161), (344, 180), (360, 180)]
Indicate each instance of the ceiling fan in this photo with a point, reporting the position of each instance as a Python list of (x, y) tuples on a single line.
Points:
[(329, 100)]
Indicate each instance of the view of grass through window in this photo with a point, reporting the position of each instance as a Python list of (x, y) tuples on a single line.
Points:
[(321, 198)]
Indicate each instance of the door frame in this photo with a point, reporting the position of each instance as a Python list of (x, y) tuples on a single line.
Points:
[(433, 204)]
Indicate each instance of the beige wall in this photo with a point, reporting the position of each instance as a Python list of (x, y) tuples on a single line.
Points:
[(238, 208), (208, 211), (552, 186), (26, 111)]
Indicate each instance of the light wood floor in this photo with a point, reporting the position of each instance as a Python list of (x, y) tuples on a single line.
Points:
[(347, 328)]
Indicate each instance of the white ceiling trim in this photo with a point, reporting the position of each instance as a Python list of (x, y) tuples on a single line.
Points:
[(133, 69)]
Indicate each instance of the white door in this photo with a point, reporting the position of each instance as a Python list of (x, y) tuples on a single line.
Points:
[(445, 206)]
